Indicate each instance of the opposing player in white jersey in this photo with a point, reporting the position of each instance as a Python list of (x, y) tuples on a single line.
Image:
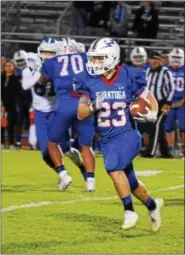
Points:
[(43, 99)]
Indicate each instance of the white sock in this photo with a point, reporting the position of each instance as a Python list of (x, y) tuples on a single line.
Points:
[(32, 139), (90, 179), (62, 174)]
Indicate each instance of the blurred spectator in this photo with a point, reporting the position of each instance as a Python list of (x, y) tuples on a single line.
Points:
[(81, 12), (26, 100), (99, 16), (146, 22), (3, 60), (4, 124), (11, 95), (119, 18)]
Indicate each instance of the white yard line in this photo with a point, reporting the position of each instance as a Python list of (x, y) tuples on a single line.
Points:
[(87, 199)]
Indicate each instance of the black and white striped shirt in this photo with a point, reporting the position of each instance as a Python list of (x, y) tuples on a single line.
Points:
[(161, 84)]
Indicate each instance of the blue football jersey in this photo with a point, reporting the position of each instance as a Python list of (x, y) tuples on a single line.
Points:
[(178, 75), (114, 118), (61, 69), (141, 68)]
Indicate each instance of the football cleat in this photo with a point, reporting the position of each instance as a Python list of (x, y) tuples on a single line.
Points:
[(90, 186), (64, 182), (130, 219), (155, 215)]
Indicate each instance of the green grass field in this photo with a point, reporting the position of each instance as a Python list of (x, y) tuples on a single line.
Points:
[(38, 219)]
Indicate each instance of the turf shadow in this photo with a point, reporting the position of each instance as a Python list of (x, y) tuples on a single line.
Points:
[(100, 223)]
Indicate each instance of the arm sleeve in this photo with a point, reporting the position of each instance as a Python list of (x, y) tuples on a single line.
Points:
[(29, 78), (170, 85)]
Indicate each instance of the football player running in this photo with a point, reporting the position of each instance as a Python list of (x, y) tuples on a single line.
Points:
[(44, 99), (107, 90), (60, 70), (176, 115)]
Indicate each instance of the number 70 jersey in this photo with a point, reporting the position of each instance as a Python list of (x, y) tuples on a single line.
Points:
[(114, 117), (61, 69)]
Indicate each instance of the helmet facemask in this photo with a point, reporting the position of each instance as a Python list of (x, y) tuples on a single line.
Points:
[(138, 60), (176, 57), (176, 61), (47, 50), (44, 54), (21, 63), (138, 56), (99, 64), (96, 63)]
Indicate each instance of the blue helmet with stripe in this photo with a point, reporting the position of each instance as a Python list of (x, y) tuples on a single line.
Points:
[(47, 48)]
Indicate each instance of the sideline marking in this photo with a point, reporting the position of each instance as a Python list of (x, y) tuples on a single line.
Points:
[(44, 203)]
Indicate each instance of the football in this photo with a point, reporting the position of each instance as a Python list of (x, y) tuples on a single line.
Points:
[(139, 106)]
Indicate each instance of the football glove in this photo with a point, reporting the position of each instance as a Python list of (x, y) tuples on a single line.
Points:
[(96, 105), (149, 116)]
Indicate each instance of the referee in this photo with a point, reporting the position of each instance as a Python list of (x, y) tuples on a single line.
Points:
[(160, 83)]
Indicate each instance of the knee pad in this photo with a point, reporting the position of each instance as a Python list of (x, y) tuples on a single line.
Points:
[(132, 179)]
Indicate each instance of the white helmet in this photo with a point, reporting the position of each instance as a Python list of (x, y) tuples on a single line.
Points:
[(20, 59), (138, 56), (47, 45), (176, 57), (80, 47), (108, 50), (66, 45)]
